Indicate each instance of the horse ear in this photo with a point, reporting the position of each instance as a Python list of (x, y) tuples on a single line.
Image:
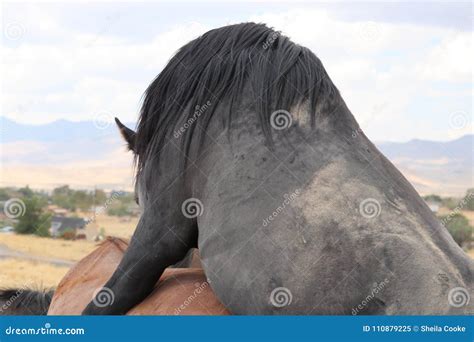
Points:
[(128, 134)]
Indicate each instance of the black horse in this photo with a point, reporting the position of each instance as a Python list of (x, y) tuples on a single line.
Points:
[(246, 150)]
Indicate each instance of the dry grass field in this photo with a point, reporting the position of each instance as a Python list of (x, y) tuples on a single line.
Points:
[(18, 273), (116, 226), (47, 247), (64, 249)]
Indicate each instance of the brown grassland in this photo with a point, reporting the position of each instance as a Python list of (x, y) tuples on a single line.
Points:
[(17, 273)]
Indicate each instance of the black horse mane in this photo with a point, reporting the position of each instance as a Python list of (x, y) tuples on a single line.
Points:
[(215, 68), (24, 301)]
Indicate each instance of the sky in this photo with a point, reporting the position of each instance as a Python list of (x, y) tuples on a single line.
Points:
[(404, 69)]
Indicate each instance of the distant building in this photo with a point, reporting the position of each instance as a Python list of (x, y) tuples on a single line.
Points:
[(60, 225), (57, 211)]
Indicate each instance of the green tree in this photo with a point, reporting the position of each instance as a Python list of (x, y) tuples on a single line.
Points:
[(71, 199), (26, 192), (450, 202), (82, 200), (4, 194), (34, 220), (458, 226), (100, 197), (469, 199), (62, 197), (118, 210), (433, 198)]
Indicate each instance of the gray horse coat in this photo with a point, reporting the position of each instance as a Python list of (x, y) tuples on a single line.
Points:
[(246, 149)]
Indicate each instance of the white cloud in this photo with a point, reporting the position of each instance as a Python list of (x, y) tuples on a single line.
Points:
[(382, 69), (85, 75), (451, 60)]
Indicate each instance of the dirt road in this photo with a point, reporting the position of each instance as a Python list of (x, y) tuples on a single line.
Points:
[(6, 252)]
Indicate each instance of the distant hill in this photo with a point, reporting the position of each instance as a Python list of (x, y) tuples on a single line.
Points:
[(57, 131), (81, 154), (85, 154), (459, 149), (432, 166)]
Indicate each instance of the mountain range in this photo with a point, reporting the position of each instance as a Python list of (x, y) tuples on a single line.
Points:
[(92, 154)]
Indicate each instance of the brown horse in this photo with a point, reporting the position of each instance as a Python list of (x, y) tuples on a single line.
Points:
[(178, 292)]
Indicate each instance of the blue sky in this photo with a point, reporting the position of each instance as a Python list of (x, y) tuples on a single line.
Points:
[(405, 69)]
